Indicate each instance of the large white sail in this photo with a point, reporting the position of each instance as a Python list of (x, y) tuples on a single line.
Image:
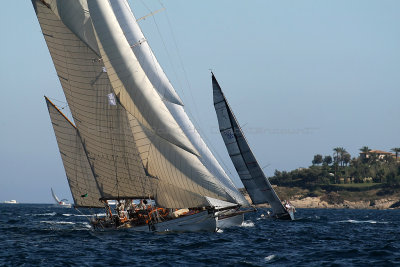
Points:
[(153, 70), (103, 125), (82, 184), (178, 171), (252, 176), (105, 105), (127, 75), (177, 159), (143, 52)]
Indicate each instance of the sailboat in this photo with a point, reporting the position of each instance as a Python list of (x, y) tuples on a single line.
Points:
[(62, 202), (129, 138), (250, 173)]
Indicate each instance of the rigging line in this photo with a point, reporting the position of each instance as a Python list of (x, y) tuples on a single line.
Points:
[(127, 157), (181, 63), (196, 122), (193, 117), (65, 104), (166, 50)]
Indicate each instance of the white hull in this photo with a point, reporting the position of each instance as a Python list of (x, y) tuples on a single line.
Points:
[(228, 222), (65, 205), (10, 202)]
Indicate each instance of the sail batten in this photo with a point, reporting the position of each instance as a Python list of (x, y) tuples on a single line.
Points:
[(246, 165)]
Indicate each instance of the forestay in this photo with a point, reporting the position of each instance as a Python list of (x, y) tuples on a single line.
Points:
[(252, 176), (80, 177)]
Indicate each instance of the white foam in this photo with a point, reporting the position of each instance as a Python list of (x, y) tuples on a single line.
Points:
[(355, 221), (44, 214), (57, 222), (247, 224), (76, 215), (269, 258), (220, 231)]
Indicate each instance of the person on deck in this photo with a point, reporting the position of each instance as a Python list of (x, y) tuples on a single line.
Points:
[(143, 204)]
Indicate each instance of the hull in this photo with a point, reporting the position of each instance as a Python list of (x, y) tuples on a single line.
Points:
[(289, 216), (231, 218), (199, 222), (10, 202), (231, 221), (65, 205)]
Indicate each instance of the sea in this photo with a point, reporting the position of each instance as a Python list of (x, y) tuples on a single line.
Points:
[(47, 235)]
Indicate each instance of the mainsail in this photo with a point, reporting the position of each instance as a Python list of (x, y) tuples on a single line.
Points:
[(134, 144), (80, 177), (252, 176)]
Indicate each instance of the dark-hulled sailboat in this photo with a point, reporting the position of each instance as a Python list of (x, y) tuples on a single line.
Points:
[(252, 176)]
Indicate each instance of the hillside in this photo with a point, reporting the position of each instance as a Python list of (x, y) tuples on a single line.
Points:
[(344, 197)]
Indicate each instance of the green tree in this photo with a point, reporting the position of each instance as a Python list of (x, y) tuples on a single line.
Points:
[(346, 158), (317, 159), (396, 150), (365, 150), (340, 152), (327, 160)]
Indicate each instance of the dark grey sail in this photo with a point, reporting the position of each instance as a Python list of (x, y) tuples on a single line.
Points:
[(252, 176)]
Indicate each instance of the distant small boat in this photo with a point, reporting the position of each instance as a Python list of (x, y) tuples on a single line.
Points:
[(61, 202), (10, 202)]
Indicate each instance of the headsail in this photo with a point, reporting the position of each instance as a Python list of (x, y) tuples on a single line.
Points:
[(252, 176), (80, 177), (54, 196)]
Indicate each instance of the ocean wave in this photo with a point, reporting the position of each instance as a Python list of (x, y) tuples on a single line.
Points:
[(77, 215), (57, 222), (247, 223), (270, 257), (356, 221), (43, 214)]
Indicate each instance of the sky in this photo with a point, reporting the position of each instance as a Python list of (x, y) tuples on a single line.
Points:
[(302, 78)]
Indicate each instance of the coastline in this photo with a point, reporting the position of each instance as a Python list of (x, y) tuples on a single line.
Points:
[(326, 202)]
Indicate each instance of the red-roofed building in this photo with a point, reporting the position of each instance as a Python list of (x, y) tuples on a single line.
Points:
[(379, 153)]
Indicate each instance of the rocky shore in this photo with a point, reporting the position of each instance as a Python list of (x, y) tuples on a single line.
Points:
[(317, 202), (335, 201)]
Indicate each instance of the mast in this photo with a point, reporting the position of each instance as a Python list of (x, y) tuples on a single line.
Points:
[(252, 176)]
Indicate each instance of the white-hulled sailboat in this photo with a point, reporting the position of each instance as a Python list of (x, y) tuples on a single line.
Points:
[(62, 202), (131, 138), (250, 172)]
